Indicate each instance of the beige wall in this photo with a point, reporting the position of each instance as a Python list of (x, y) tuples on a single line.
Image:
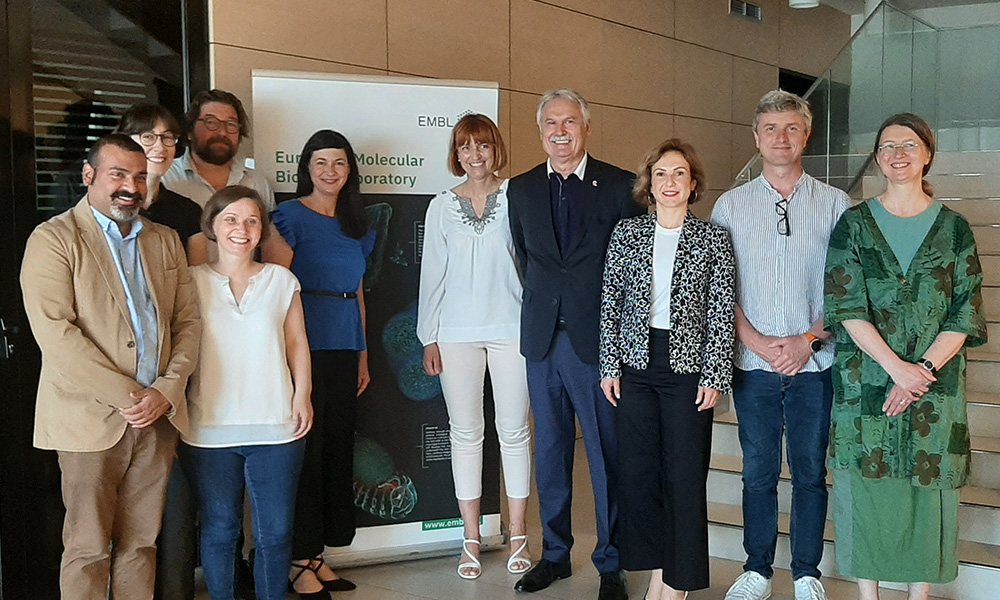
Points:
[(650, 68)]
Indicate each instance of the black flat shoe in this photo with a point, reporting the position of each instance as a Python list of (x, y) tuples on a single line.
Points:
[(614, 586), (331, 585), (542, 575), (338, 585), (318, 595)]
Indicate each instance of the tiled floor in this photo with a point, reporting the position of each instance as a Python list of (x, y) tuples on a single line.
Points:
[(435, 578)]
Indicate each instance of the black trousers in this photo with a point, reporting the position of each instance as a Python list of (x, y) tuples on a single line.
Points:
[(664, 448), (324, 505)]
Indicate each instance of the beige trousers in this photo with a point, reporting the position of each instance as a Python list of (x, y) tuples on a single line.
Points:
[(114, 502)]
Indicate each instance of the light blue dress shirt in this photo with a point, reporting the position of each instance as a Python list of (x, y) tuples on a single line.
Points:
[(141, 310)]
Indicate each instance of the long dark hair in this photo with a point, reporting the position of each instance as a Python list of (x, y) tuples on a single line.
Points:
[(350, 208)]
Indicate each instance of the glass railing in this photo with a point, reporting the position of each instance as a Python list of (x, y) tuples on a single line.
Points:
[(894, 63)]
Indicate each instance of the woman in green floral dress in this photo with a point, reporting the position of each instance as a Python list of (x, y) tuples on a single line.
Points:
[(903, 298)]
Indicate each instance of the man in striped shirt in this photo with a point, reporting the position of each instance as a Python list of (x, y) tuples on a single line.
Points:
[(780, 225)]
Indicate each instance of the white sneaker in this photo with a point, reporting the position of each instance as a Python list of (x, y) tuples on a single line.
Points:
[(809, 588), (751, 585)]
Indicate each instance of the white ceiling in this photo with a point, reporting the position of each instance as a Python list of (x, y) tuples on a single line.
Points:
[(943, 14), (856, 7)]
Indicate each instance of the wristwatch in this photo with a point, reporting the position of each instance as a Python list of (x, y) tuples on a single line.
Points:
[(815, 344), (923, 362)]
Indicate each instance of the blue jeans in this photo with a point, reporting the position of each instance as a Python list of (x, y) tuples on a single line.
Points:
[(271, 476), (767, 404)]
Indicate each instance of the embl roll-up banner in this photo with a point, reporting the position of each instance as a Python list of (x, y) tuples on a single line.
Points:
[(399, 128)]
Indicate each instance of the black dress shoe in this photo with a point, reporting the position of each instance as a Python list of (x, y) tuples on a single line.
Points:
[(542, 575), (243, 585), (614, 586)]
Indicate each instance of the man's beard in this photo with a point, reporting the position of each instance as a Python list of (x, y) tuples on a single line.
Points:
[(125, 214), (215, 154)]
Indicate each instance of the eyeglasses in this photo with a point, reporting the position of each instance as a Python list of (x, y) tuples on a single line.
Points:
[(148, 138), (906, 147), (781, 207), (213, 124)]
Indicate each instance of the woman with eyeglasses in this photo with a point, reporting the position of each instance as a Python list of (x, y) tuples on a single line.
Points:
[(158, 131), (666, 355), (468, 261), (903, 298)]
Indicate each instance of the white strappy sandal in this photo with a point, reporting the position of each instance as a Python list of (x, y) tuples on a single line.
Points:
[(473, 565), (516, 557)]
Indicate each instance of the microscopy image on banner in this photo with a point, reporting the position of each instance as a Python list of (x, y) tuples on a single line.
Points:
[(403, 456), (399, 128)]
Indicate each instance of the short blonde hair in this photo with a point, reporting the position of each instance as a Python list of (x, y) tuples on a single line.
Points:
[(641, 190), (780, 101)]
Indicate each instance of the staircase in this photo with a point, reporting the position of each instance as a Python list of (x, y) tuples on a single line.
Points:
[(888, 67), (965, 182)]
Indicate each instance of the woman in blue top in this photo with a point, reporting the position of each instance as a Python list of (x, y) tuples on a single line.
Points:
[(323, 237)]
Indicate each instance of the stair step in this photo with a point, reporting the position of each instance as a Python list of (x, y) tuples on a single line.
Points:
[(992, 345), (986, 444), (972, 553), (985, 449), (982, 398), (987, 239), (989, 354), (984, 422), (724, 572), (978, 211), (966, 162), (971, 495), (985, 467), (978, 522), (991, 303), (965, 185), (991, 270), (984, 418), (982, 376)]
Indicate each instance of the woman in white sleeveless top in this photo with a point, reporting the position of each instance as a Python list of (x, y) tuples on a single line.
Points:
[(248, 398)]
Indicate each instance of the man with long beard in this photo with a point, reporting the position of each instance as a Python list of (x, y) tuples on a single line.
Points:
[(114, 312), (216, 123)]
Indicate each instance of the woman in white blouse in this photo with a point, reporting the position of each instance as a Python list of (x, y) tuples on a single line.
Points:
[(248, 398), (468, 318)]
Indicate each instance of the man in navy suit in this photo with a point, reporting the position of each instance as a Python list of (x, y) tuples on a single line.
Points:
[(561, 216)]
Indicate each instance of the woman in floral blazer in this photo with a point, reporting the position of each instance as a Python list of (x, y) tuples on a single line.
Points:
[(903, 298), (666, 355)]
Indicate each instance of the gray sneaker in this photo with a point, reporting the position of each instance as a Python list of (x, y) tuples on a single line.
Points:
[(751, 585), (809, 588)]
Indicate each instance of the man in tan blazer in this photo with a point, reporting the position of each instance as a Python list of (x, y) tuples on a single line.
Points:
[(113, 309)]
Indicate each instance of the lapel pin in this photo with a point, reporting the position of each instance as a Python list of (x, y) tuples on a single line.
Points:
[(594, 183)]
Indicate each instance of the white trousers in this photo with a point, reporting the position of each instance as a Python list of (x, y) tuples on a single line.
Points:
[(463, 371)]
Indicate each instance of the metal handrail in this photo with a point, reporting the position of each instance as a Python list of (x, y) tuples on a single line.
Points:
[(745, 172)]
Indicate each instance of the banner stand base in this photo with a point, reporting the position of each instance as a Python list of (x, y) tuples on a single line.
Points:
[(410, 541), (354, 558)]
